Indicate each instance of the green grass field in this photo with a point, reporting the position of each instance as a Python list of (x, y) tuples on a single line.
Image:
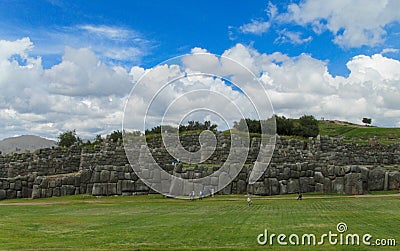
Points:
[(224, 222)]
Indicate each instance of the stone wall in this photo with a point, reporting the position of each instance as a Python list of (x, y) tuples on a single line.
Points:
[(285, 179), (47, 161), (317, 165)]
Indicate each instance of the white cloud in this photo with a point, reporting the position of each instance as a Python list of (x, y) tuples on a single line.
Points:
[(271, 10), (353, 23), (110, 32), (19, 47), (84, 93), (293, 37), (389, 50), (80, 92), (81, 73), (256, 27), (299, 85), (112, 44)]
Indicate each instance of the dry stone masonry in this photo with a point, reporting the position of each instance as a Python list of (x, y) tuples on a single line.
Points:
[(321, 164)]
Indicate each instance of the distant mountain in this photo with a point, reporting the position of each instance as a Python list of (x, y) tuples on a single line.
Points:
[(24, 143)]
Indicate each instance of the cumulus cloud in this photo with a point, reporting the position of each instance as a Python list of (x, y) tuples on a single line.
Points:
[(293, 37), (81, 92), (84, 93), (256, 27), (81, 73), (389, 50), (353, 23), (303, 84), (18, 47)]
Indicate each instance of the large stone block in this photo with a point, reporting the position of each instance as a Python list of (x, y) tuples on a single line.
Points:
[(339, 171), (376, 179), (86, 175), (48, 192), (274, 186), (57, 191), (271, 172), (82, 188), (319, 187), (36, 192), (305, 183), (111, 188), (119, 187), (77, 180), (11, 194), (97, 189), (260, 188), (353, 183), (318, 177), (127, 186), (104, 176), (338, 185), (26, 192), (113, 176), (227, 189), (293, 186), (394, 180), (241, 187), (328, 185), (52, 183), (286, 173), (283, 187), (18, 185), (3, 194), (69, 180), (67, 190)]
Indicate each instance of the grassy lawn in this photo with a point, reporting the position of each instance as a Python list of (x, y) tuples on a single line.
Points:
[(224, 222)]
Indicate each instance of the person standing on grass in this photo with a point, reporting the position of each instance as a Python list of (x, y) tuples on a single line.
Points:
[(249, 202), (201, 195), (300, 196)]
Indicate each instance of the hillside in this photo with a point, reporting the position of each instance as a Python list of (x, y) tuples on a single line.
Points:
[(24, 143), (334, 128)]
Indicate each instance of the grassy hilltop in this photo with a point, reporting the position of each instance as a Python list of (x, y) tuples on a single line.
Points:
[(358, 133)]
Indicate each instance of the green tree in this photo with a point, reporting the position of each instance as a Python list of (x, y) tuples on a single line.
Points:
[(253, 125), (367, 121), (98, 140), (68, 138), (284, 126), (307, 127), (115, 136)]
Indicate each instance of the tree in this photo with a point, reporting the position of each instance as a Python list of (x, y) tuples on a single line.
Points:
[(253, 125), (191, 126), (307, 127), (68, 138), (115, 136), (284, 126), (367, 121), (98, 140)]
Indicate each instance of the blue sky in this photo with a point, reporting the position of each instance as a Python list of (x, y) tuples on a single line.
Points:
[(171, 28), (141, 34)]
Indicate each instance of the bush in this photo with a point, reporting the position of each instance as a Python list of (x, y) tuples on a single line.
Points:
[(284, 126), (115, 136), (191, 126), (307, 127), (68, 138)]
